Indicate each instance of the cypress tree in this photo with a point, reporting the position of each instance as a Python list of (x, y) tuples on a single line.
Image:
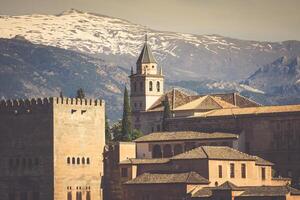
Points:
[(80, 94), (107, 131), (126, 121), (166, 113)]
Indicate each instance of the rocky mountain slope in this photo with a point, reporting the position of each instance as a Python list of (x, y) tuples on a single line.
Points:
[(29, 70), (119, 42), (41, 55), (279, 79)]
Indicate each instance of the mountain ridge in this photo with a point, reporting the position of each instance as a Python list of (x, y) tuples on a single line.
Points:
[(119, 42)]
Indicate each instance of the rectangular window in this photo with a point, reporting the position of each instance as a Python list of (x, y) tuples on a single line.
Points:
[(263, 173), (243, 170), (88, 195), (69, 196), (78, 196), (124, 172), (220, 171), (231, 170)]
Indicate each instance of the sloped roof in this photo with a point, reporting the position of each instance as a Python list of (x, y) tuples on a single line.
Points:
[(227, 186), (264, 191), (261, 161), (249, 111), (137, 161), (146, 55), (214, 153), (185, 135), (203, 192), (250, 191), (169, 178), (181, 98), (205, 103)]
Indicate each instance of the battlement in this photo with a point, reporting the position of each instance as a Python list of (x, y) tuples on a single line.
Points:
[(76, 101), (28, 105)]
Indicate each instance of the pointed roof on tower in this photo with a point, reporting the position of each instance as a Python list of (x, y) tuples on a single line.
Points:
[(146, 55)]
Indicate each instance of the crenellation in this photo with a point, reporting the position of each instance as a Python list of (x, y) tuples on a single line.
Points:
[(20, 105), (76, 101)]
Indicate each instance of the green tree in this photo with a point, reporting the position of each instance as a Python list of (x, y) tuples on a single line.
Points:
[(116, 130), (166, 113), (107, 131), (126, 120), (80, 94), (136, 134)]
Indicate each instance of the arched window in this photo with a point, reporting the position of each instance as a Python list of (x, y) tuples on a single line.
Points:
[(82, 160), (150, 86), (78, 161), (73, 160), (167, 151), (23, 163), (156, 151), (29, 163), (36, 162), (158, 86), (141, 87), (134, 86), (88, 161), (178, 149), (68, 160)]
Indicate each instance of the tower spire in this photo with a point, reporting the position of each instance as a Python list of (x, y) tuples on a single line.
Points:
[(146, 38)]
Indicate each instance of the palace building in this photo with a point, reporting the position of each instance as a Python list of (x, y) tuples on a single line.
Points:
[(51, 149), (151, 168), (272, 132)]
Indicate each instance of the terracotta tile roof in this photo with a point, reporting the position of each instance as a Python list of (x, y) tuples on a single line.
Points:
[(203, 192), (264, 191), (137, 161), (181, 98), (250, 191), (227, 186), (261, 161), (185, 135), (214, 153), (249, 111), (169, 178), (205, 103)]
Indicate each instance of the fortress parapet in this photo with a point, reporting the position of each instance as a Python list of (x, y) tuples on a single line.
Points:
[(76, 101), (18, 106)]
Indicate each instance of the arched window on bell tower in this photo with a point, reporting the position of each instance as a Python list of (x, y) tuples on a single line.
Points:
[(150, 86), (158, 86)]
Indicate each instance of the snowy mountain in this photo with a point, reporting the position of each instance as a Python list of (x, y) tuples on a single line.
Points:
[(41, 55), (119, 42)]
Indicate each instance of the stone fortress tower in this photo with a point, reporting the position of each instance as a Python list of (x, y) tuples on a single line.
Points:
[(147, 83), (51, 149)]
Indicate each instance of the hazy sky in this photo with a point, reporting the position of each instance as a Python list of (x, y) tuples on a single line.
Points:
[(271, 20)]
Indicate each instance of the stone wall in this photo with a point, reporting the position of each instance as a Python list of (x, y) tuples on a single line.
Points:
[(26, 149), (50, 148), (79, 141)]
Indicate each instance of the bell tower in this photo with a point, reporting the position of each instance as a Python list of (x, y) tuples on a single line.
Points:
[(146, 82)]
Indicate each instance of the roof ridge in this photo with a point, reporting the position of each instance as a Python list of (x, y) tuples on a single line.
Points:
[(248, 99)]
